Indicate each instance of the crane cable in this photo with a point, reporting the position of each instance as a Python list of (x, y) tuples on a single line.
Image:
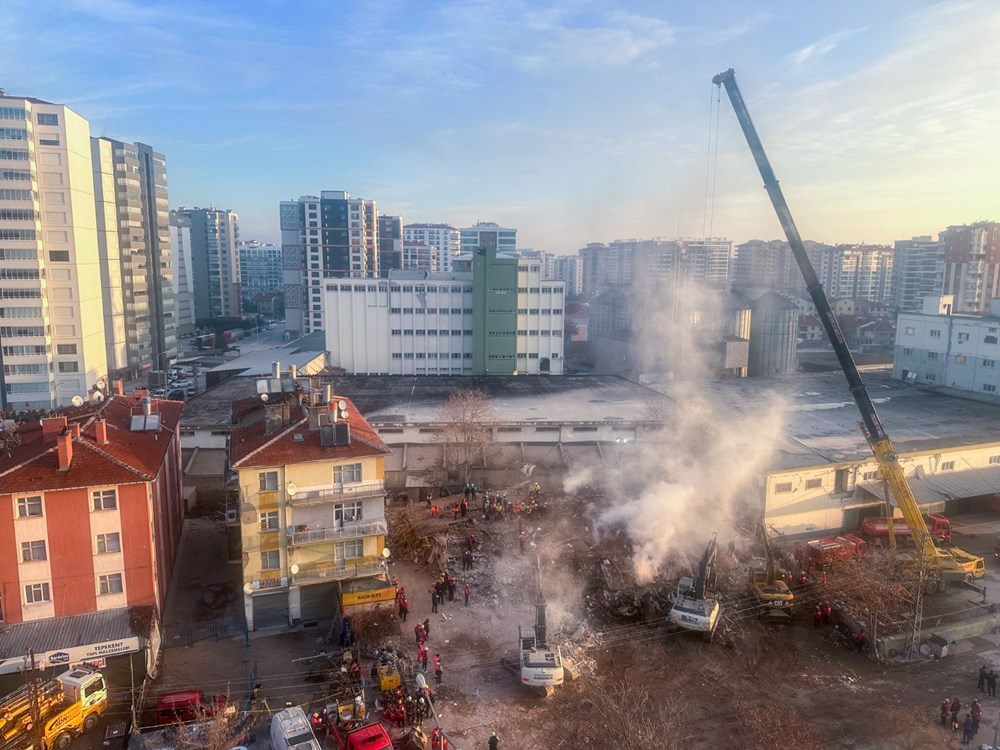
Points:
[(711, 162)]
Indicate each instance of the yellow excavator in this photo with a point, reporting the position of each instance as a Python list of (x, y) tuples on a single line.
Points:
[(774, 599), (941, 565)]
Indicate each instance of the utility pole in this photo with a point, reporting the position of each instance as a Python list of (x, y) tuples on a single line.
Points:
[(913, 637), (36, 714)]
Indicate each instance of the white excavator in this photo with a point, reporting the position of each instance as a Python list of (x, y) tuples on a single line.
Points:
[(541, 664), (695, 606)]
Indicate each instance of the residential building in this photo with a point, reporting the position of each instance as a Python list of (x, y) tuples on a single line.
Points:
[(972, 265), (260, 269), (569, 269), (390, 243), (488, 234), (917, 272), (667, 264), (180, 244), (93, 510), (855, 271), (444, 238), (941, 347), (312, 500), (140, 315), (499, 319), (417, 256), (328, 236), (215, 260), (52, 342)]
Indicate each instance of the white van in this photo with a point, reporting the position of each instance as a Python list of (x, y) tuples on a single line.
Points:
[(290, 730)]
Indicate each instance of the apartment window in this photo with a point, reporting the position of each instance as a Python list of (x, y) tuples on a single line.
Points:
[(995, 459), (870, 476), (349, 549), (989, 388), (783, 487), (270, 560), (34, 593), (268, 481), (407, 331), (52, 140), (989, 363), (348, 512), (963, 337), (959, 359), (467, 355), (948, 466), (397, 355), (396, 332), (347, 474), (32, 551), (909, 330), (59, 256), (522, 290), (108, 543), (989, 339), (932, 355), (14, 134), (69, 367), (930, 378), (44, 119), (268, 520), (110, 584), (28, 507), (105, 499), (935, 333), (408, 355), (812, 484)]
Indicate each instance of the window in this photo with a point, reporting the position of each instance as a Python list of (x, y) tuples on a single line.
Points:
[(948, 466), (59, 256), (995, 459), (268, 520), (35, 593), (989, 339), (31, 551), (397, 355), (47, 119), (348, 512), (108, 543), (52, 140), (935, 333), (346, 474), (69, 367), (963, 337), (270, 560), (352, 548), (394, 310), (909, 330), (110, 584), (28, 507), (989, 363), (989, 388), (783, 487), (930, 378), (870, 476), (812, 484), (932, 355), (105, 499), (959, 359), (268, 481)]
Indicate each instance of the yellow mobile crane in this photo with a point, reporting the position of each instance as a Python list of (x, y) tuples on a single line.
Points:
[(943, 565)]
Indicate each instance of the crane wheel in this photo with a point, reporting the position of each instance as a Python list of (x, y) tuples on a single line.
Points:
[(968, 578), (63, 741), (941, 586), (930, 587)]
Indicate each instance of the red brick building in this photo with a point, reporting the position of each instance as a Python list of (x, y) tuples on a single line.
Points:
[(91, 511)]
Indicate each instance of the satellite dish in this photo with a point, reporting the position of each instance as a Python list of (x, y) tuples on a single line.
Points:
[(247, 588), (386, 553), (77, 401), (342, 404), (97, 397), (100, 385), (290, 488), (343, 413), (264, 397), (248, 517), (294, 569)]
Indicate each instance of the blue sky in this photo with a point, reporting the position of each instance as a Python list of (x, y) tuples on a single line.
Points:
[(575, 122)]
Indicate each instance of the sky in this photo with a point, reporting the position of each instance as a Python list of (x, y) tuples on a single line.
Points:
[(574, 122)]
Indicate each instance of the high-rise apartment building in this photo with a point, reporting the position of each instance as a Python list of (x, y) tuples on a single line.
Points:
[(444, 238), (857, 272), (390, 243), (486, 234), (180, 244), (569, 268), (972, 265), (215, 260), (917, 272), (52, 344), (260, 269), (417, 256), (130, 187), (665, 263), (327, 236)]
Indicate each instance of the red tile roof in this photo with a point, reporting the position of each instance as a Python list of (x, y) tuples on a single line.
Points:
[(250, 446), (127, 458)]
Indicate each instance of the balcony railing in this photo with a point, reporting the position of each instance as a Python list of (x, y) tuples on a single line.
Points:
[(358, 568), (347, 531), (357, 491)]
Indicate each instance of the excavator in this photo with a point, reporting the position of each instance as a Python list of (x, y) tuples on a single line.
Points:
[(541, 665), (937, 566), (695, 606), (774, 600)]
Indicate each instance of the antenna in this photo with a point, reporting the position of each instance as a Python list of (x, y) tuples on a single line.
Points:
[(100, 385)]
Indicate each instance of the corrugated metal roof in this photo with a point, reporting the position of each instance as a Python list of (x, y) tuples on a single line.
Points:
[(66, 632), (923, 492), (938, 488)]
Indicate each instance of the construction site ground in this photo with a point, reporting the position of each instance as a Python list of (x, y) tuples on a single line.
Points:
[(634, 685)]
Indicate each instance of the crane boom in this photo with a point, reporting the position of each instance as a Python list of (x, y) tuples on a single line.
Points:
[(875, 433)]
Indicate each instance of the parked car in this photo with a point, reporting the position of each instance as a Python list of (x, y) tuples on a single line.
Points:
[(182, 706), (184, 383), (176, 394)]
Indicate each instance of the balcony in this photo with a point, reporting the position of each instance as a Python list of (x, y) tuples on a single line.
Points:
[(348, 531), (339, 571), (359, 491)]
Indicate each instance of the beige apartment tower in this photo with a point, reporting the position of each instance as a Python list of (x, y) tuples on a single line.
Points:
[(52, 343)]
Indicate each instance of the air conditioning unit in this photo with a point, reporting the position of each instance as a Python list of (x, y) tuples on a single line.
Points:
[(232, 516)]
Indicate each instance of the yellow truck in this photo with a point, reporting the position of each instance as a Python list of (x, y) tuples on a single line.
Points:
[(68, 705)]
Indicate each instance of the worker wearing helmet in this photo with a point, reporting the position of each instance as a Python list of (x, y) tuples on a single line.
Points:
[(493, 742)]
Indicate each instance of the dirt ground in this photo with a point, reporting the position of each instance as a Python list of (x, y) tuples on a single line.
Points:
[(634, 685)]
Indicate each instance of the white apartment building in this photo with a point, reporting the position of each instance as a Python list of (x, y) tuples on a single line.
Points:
[(180, 241), (939, 347), (917, 272), (444, 238), (51, 301)]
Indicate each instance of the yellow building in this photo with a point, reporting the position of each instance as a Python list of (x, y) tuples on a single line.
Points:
[(312, 511)]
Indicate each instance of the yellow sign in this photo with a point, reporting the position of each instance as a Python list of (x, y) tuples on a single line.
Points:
[(368, 597)]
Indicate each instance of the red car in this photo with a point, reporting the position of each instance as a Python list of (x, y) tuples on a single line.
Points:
[(182, 706)]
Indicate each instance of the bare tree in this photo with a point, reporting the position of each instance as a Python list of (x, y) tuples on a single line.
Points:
[(774, 727), (10, 438), (629, 715), (875, 587), (468, 417)]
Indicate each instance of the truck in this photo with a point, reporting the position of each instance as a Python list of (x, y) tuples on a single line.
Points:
[(829, 549), (933, 566), (183, 706), (541, 665), (351, 736), (876, 528), (695, 606), (67, 706)]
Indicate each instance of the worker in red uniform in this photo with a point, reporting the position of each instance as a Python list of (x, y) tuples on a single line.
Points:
[(817, 616)]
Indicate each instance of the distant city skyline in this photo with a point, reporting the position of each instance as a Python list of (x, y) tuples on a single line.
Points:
[(572, 123)]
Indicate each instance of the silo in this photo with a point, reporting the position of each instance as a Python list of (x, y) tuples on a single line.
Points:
[(774, 328)]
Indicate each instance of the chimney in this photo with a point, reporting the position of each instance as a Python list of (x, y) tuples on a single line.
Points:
[(276, 370), (64, 450), (119, 388), (293, 371), (101, 431), (53, 426), (74, 430)]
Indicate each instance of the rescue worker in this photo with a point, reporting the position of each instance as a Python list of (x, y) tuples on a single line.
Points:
[(859, 640), (456, 509), (423, 659), (427, 627), (817, 616), (436, 739), (493, 743), (467, 560), (945, 712), (465, 507), (437, 668), (317, 725), (827, 613), (976, 711), (466, 591), (991, 683), (967, 730), (435, 600), (452, 585), (522, 540), (983, 671), (956, 706)]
